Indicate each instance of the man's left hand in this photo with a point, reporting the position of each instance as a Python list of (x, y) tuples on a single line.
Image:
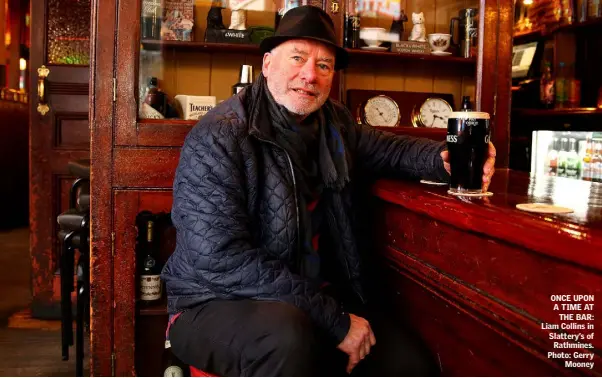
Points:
[(488, 168)]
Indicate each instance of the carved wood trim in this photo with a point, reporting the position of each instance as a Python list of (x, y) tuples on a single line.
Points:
[(59, 118), (68, 88)]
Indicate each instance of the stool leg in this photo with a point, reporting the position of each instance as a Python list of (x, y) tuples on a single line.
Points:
[(79, 330), (66, 262)]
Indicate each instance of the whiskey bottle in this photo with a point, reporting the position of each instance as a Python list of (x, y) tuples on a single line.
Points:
[(151, 19), (155, 97), (466, 104), (150, 274)]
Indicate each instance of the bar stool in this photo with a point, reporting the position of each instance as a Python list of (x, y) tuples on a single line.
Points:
[(74, 233)]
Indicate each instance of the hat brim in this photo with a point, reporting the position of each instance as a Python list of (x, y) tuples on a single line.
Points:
[(341, 55)]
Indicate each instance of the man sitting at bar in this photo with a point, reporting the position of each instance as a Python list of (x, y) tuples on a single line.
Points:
[(265, 279)]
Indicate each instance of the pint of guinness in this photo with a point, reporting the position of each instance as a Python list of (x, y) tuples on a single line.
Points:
[(468, 145)]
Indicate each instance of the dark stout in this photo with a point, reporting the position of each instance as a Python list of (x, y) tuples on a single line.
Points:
[(468, 146)]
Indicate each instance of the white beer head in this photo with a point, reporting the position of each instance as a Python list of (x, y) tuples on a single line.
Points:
[(469, 115)]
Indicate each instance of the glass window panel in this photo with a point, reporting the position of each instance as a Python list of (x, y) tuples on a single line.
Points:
[(69, 32), (187, 64)]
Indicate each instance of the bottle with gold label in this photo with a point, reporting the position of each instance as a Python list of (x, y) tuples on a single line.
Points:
[(150, 271)]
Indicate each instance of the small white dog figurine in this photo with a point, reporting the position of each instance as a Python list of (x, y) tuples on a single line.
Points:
[(418, 30), (238, 20)]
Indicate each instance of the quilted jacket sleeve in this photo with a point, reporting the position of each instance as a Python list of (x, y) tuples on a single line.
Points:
[(210, 209), (388, 154)]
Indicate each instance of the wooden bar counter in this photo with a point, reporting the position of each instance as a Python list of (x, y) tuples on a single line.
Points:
[(476, 276)]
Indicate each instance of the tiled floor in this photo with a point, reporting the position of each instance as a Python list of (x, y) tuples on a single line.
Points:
[(25, 352)]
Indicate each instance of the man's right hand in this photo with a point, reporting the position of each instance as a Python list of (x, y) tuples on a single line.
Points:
[(358, 341)]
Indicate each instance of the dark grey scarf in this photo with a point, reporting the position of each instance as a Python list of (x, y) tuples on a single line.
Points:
[(313, 174)]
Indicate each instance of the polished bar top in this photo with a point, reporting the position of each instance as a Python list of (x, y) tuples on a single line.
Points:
[(575, 237)]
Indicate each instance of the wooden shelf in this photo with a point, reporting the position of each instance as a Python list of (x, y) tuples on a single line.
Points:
[(155, 309), (541, 32), (528, 33), (172, 132), (424, 132), (557, 112), (155, 45), (163, 132), (358, 53), (152, 44)]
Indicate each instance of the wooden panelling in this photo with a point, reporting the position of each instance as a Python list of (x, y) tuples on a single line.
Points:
[(150, 337), (63, 103), (159, 133), (128, 204), (72, 131), (553, 235), (480, 294), (478, 262), (124, 294), (461, 341), (145, 167)]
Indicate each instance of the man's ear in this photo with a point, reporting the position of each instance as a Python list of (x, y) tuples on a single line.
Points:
[(267, 60)]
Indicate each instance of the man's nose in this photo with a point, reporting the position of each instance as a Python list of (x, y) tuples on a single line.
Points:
[(308, 72)]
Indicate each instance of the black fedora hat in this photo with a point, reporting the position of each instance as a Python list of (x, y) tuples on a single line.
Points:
[(307, 22)]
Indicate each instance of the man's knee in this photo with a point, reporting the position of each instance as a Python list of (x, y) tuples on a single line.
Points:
[(282, 342), (286, 328)]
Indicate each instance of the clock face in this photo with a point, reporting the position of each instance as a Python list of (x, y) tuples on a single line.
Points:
[(381, 111), (434, 112)]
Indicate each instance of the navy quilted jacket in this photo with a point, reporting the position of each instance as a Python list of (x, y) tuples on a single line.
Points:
[(235, 211)]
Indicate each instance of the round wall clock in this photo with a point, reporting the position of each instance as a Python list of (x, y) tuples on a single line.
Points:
[(433, 112), (380, 110)]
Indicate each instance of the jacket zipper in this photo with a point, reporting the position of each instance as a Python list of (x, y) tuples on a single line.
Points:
[(347, 268), (290, 164)]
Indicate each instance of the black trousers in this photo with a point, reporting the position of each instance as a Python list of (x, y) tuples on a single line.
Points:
[(264, 338)]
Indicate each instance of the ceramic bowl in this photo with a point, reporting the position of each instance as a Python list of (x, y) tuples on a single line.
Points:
[(439, 41), (372, 36)]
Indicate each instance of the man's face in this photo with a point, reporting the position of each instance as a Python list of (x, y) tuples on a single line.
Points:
[(299, 75)]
